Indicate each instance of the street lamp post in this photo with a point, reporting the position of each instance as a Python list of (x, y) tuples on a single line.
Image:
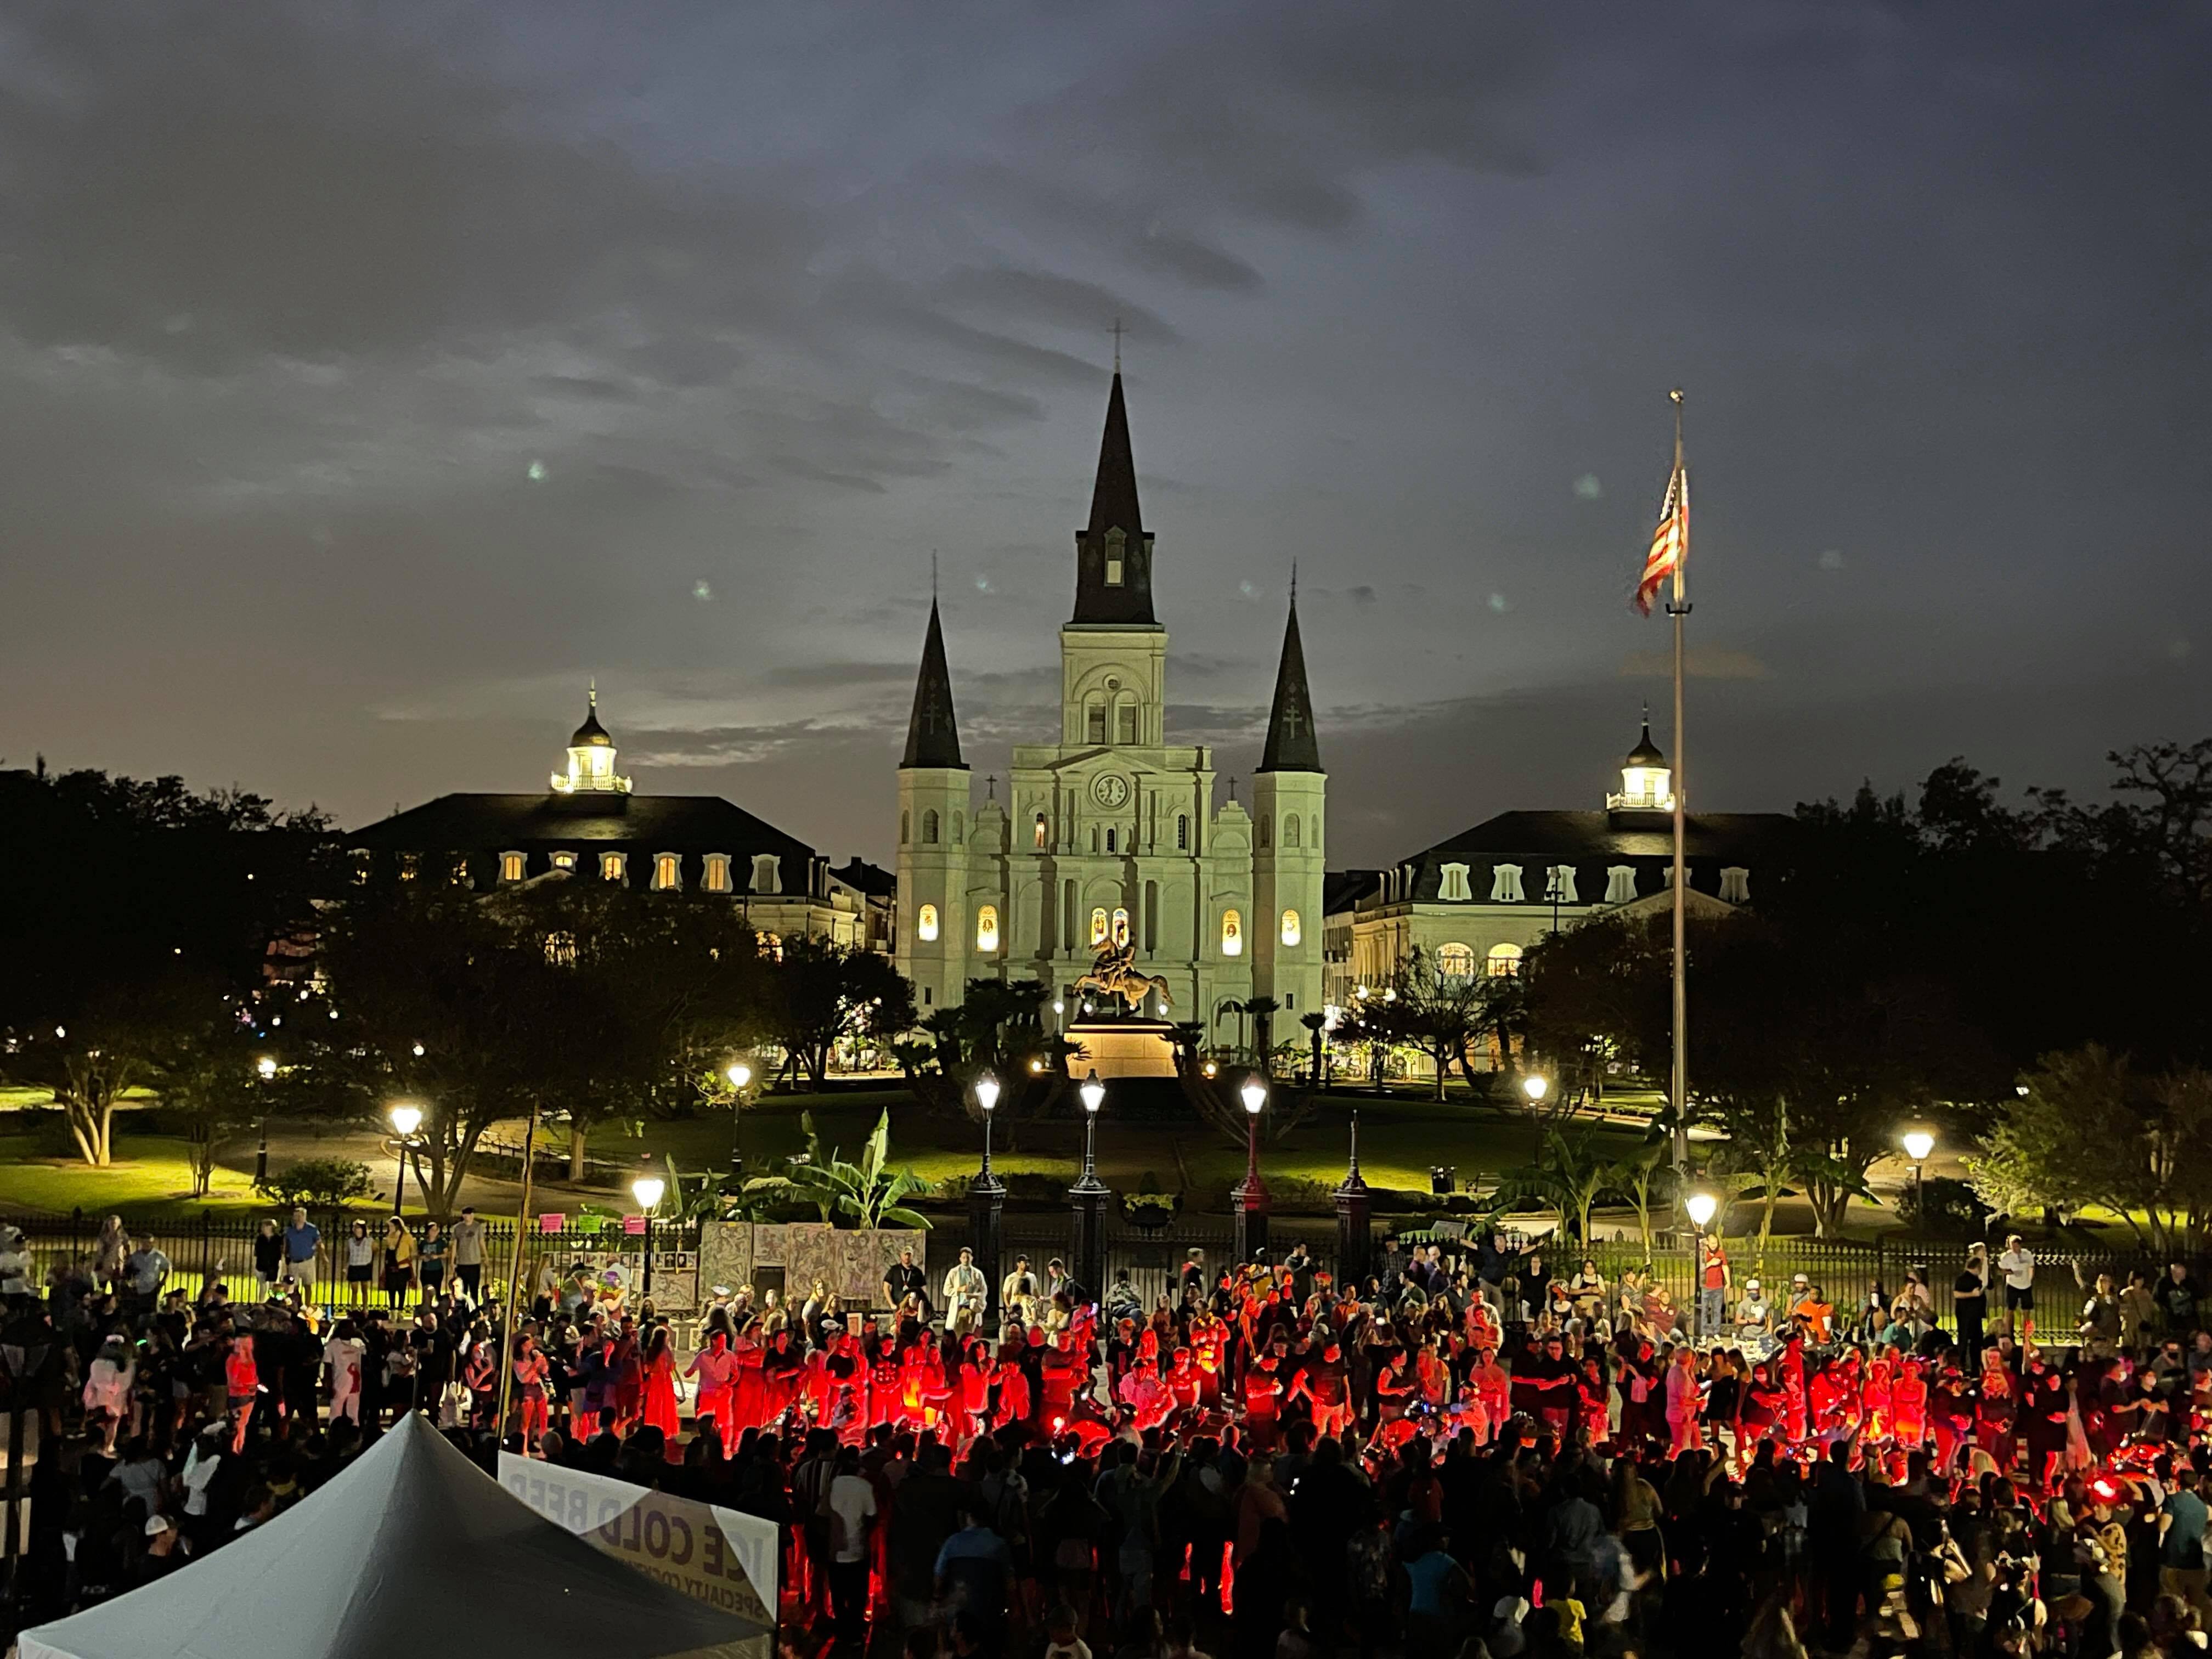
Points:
[(265, 1069), (1354, 1205), (1536, 1085), (1701, 1206), (1250, 1194), (647, 1190), (1089, 1196), (986, 1201), (1918, 1143), (740, 1075), (406, 1118)]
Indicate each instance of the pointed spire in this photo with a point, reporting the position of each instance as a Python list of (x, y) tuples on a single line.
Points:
[(1114, 556), (1293, 745), (933, 735)]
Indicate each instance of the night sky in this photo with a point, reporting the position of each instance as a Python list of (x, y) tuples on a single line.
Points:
[(372, 377)]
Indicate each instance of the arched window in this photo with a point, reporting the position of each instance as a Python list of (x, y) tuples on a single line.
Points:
[(1117, 543), (1182, 832), (1266, 826), (929, 828), (1125, 719), (667, 872), (1292, 931), (1097, 927), (1504, 961), (1094, 721), (1121, 927), (1037, 830), (1290, 829), (1110, 840), (986, 928), (1455, 961), (1233, 934), (925, 924)]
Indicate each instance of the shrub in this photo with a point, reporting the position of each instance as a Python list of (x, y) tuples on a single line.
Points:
[(325, 1181), (1954, 1210)]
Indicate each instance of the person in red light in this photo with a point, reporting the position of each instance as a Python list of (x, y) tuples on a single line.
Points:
[(1209, 1344), (883, 1382), (1908, 1402), (1263, 1395), (1328, 1388), (242, 1382), (716, 1370), (1183, 1380)]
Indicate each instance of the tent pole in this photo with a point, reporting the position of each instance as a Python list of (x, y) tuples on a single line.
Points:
[(514, 1279)]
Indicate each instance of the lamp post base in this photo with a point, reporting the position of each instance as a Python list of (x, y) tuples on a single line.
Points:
[(986, 1209), (1088, 1200), (1250, 1198)]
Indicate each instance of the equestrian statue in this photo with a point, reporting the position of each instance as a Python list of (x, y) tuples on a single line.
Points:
[(1115, 973)]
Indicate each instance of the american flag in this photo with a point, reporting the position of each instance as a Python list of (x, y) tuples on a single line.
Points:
[(1670, 540)]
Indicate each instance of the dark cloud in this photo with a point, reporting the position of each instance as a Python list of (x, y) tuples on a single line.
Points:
[(374, 375)]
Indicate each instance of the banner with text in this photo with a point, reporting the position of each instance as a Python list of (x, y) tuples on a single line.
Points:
[(719, 1556)]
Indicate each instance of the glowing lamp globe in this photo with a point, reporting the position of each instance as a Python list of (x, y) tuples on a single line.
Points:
[(1701, 1206), (987, 1092), (647, 1190), (266, 1065), (740, 1075), (1093, 1092), (1535, 1087), (406, 1118), (1918, 1143), (1254, 1094)]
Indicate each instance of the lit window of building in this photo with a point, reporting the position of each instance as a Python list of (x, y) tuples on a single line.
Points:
[(1233, 934), (561, 949), (1292, 931), (667, 872), (1098, 927), (1120, 927), (614, 866), (1038, 831), (1455, 961), (925, 924), (564, 860), (986, 928), (717, 876), (510, 866), (1504, 961)]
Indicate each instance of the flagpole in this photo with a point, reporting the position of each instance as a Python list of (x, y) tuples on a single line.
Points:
[(1678, 608)]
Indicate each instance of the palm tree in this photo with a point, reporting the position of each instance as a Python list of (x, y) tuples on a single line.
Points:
[(866, 1192), (1316, 1023)]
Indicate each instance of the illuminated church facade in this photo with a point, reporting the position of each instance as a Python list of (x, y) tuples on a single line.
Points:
[(1108, 834)]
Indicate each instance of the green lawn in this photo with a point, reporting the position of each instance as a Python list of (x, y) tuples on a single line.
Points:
[(150, 1176)]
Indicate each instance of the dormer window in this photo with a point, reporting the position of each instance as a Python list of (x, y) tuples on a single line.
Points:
[(1620, 884), (1452, 889), (767, 874), (614, 866), (1559, 884), (1505, 883), (511, 867), (717, 877), (1735, 885), (667, 872), (410, 865), (564, 860)]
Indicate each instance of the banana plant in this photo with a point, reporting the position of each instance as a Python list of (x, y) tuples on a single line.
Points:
[(865, 1194)]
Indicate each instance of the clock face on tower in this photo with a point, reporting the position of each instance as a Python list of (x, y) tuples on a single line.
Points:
[(1109, 789)]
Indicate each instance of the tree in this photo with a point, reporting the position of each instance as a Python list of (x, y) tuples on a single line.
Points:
[(211, 1087), (2093, 1131), (1441, 1014), (867, 1193), (1566, 1178), (116, 1042), (817, 994)]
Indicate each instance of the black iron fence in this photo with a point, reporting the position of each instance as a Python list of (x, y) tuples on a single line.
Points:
[(214, 1248)]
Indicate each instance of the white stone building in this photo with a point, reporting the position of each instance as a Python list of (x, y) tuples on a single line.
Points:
[(1107, 832)]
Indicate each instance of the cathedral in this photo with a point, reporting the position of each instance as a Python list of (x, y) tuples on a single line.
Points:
[(1108, 836)]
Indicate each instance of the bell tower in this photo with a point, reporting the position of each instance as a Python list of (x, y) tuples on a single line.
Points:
[(932, 947), (1290, 795), (1113, 651)]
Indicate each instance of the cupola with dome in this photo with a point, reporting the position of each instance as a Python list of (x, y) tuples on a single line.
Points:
[(1647, 782), (591, 758)]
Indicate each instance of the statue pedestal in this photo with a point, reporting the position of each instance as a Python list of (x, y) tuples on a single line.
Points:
[(1122, 1047)]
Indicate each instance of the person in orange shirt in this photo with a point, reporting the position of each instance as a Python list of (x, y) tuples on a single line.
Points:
[(1908, 1405)]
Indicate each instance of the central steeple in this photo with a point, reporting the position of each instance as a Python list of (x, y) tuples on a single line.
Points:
[(1113, 552)]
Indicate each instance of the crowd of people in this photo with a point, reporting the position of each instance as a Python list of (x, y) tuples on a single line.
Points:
[(1463, 1456)]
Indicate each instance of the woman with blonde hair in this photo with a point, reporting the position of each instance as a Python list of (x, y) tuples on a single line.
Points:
[(1683, 1400), (399, 1261)]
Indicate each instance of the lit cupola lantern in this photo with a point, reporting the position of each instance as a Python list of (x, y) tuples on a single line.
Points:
[(1647, 782), (591, 758)]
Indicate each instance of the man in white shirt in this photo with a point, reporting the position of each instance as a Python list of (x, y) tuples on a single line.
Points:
[(2017, 1264), (965, 1293), (852, 1501)]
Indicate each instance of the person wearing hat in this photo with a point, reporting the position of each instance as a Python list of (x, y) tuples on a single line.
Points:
[(1752, 1312)]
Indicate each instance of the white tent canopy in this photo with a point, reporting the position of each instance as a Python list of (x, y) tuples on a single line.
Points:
[(412, 1550)]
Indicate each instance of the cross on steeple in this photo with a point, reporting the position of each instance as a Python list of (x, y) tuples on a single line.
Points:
[(1117, 331), (991, 787), (1294, 721)]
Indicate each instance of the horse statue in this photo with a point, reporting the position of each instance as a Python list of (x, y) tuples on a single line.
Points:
[(1115, 973)]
